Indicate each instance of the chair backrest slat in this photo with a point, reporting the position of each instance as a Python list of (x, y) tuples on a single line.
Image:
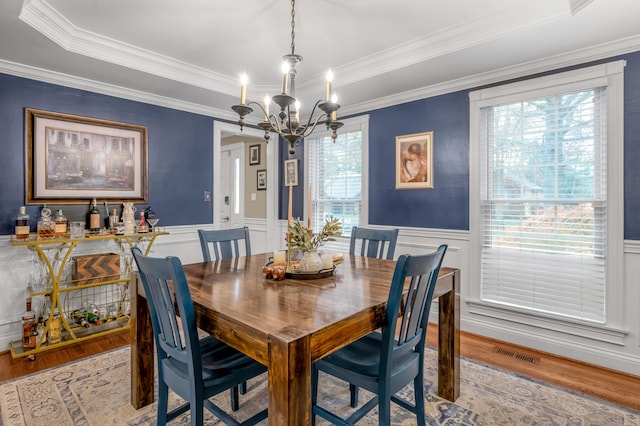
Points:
[(373, 242), (417, 275), (225, 243), (166, 288)]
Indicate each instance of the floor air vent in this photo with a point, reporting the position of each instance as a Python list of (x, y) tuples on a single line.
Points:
[(516, 355)]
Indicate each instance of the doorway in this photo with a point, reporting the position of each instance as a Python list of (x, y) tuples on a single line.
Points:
[(232, 185), (266, 233)]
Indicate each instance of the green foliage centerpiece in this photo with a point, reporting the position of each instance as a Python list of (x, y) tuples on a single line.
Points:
[(304, 240)]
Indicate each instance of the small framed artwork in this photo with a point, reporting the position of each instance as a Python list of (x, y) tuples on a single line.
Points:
[(70, 159), (414, 161), (254, 154), (262, 179), (291, 172)]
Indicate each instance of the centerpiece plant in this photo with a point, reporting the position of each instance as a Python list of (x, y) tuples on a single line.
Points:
[(304, 240)]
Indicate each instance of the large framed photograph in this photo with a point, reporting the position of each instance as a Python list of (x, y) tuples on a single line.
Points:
[(70, 159), (261, 176), (291, 172), (254, 154), (414, 161)]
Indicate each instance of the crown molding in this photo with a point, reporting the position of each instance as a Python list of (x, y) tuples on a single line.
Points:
[(577, 57), (41, 16), (44, 18), (518, 17), (67, 80), (603, 51)]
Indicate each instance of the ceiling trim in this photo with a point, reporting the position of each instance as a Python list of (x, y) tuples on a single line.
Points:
[(595, 53), (41, 16), (67, 80), (578, 57), (519, 17)]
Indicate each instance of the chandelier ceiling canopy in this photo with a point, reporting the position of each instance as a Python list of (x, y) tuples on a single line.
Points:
[(287, 122)]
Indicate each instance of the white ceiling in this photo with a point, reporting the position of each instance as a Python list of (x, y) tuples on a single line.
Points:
[(190, 53)]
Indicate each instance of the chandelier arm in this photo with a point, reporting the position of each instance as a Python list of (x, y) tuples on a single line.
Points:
[(310, 128)]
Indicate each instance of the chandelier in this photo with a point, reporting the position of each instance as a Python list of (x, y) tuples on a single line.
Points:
[(287, 123)]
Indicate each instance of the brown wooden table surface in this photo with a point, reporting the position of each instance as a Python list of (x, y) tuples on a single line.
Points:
[(287, 325)]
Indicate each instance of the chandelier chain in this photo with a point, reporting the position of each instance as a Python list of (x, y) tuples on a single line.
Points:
[(293, 27)]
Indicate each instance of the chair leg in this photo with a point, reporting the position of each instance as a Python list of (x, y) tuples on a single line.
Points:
[(384, 410), (197, 412), (243, 388), (163, 399), (418, 390), (353, 390), (235, 398)]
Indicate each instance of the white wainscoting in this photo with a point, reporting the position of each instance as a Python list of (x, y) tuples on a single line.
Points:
[(620, 352)]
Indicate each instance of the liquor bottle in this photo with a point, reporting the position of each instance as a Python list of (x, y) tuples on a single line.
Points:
[(94, 217), (61, 224), (28, 327), (55, 332), (46, 225), (22, 224)]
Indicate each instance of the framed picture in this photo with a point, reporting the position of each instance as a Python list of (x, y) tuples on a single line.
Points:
[(254, 154), (414, 161), (291, 172), (70, 159), (261, 175)]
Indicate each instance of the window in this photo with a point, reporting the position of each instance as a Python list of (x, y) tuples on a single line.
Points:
[(337, 174), (548, 202)]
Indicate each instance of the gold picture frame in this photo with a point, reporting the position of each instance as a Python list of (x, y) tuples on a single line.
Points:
[(70, 159), (414, 161)]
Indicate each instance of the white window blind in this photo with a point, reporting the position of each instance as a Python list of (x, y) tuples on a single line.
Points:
[(336, 178), (544, 204)]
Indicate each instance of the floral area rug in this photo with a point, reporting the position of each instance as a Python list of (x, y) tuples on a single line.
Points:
[(95, 391)]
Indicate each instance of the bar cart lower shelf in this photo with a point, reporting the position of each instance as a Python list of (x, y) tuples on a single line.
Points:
[(87, 307)]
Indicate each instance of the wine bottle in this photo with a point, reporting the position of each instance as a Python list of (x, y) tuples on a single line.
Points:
[(94, 217), (22, 224)]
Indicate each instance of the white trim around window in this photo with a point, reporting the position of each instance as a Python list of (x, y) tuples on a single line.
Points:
[(610, 75)]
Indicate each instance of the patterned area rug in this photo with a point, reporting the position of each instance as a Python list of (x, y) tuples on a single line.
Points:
[(95, 391)]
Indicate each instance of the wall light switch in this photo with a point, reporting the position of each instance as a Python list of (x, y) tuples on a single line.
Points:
[(253, 196), (207, 196)]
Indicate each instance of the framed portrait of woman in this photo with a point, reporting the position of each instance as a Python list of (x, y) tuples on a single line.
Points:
[(291, 172), (414, 161)]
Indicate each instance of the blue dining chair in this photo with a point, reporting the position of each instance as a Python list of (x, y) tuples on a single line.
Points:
[(225, 243), (383, 362), (373, 242), (195, 369)]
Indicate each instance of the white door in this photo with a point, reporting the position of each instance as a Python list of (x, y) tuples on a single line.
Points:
[(232, 186)]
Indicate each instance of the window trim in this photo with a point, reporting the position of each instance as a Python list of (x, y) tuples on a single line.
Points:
[(610, 75), (359, 123)]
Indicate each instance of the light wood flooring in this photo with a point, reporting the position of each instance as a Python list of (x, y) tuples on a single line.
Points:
[(613, 386)]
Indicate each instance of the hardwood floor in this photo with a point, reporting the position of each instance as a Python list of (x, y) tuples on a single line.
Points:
[(609, 385)]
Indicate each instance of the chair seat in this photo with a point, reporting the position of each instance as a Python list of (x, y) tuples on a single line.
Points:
[(361, 359)]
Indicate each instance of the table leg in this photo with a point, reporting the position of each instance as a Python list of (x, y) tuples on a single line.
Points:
[(449, 342), (142, 366), (289, 381)]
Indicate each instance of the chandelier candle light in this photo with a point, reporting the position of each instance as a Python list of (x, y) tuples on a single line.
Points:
[(287, 122)]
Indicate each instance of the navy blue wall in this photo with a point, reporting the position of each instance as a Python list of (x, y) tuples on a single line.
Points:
[(179, 148), (446, 206), (632, 147), (180, 156)]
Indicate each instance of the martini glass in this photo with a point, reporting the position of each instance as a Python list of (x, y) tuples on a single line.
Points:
[(153, 221)]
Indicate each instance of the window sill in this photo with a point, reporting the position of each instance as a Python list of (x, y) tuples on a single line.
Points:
[(597, 332)]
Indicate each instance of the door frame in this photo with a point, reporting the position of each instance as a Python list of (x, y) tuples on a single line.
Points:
[(272, 177)]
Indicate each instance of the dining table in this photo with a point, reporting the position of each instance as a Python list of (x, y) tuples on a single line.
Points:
[(288, 324)]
